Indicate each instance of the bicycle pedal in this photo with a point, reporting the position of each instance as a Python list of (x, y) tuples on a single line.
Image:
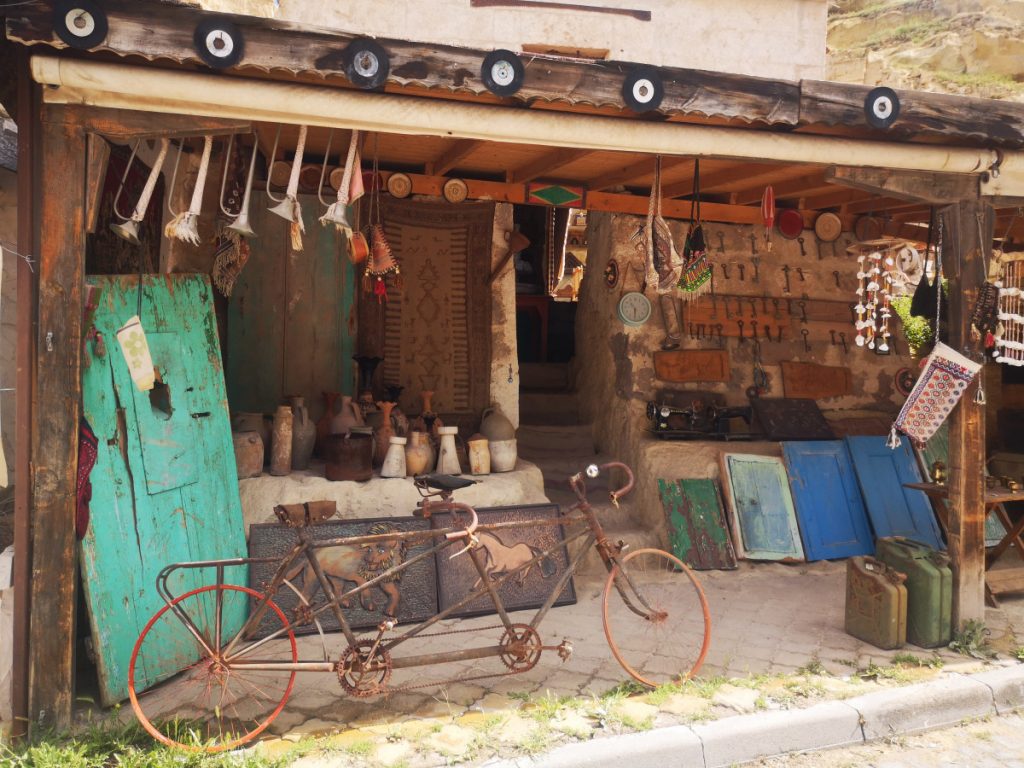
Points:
[(565, 650)]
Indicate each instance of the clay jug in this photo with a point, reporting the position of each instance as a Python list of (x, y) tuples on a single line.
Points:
[(383, 432), (479, 455), (349, 457), (394, 460), (323, 424), (303, 434), (254, 422), (281, 442), (503, 455), (349, 415), (248, 454), (495, 425), (418, 454), (448, 457)]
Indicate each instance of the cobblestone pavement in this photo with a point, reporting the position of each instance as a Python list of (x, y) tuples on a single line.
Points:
[(994, 743)]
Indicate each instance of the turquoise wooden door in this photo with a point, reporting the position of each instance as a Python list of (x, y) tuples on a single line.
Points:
[(164, 485), (762, 508), (696, 525), (827, 498)]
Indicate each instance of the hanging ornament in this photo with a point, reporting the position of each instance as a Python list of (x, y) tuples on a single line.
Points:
[(288, 207), (381, 261), (768, 215), (185, 225), (349, 190)]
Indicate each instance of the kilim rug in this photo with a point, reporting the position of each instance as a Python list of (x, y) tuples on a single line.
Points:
[(437, 325), (945, 375)]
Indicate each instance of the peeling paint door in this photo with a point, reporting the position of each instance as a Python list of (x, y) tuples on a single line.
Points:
[(828, 502), (893, 509), (764, 522), (696, 524), (164, 487)]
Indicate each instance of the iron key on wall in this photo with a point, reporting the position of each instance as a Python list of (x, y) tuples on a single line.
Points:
[(753, 244), (778, 312), (832, 333), (741, 268), (835, 275), (785, 271), (753, 307), (740, 324), (725, 270), (721, 241), (803, 251), (842, 338), (756, 263), (805, 333), (800, 271)]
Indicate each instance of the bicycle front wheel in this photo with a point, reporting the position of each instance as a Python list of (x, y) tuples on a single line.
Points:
[(656, 617), (218, 700)]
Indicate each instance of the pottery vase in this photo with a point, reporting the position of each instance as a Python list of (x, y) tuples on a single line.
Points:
[(418, 454), (394, 460), (503, 455), (479, 455), (349, 457), (349, 415), (323, 424), (281, 442), (383, 433), (495, 425), (248, 453), (303, 434), (254, 422), (447, 457)]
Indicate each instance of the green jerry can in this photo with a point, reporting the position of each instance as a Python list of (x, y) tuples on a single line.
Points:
[(876, 603), (929, 588)]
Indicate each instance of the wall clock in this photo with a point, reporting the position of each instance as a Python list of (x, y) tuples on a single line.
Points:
[(79, 23), (218, 42), (634, 309)]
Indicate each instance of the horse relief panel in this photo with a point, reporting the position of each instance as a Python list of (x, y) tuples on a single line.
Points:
[(504, 551), (408, 596)]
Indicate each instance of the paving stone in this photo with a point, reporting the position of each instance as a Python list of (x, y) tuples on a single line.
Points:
[(734, 740), (392, 752), (736, 698), (496, 702), (312, 727), (515, 730), (685, 705), (439, 708), (572, 723), (635, 711), (452, 740)]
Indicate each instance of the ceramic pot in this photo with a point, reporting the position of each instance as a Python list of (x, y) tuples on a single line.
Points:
[(303, 434), (349, 457), (382, 434), (253, 422), (418, 454), (323, 424), (495, 426), (248, 453), (394, 460), (447, 457), (349, 415), (281, 442), (479, 455), (503, 455)]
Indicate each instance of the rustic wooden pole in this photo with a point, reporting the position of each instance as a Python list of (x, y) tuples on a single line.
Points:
[(963, 260), (61, 241)]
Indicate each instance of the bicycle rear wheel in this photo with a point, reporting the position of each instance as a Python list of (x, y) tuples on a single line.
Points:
[(215, 702), (656, 617)]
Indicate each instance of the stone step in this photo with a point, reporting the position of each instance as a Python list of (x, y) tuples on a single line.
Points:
[(548, 408), (548, 377), (540, 443)]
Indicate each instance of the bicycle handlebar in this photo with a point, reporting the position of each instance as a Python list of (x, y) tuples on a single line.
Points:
[(579, 486), (474, 521)]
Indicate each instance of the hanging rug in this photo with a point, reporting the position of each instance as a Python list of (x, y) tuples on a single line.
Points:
[(944, 377)]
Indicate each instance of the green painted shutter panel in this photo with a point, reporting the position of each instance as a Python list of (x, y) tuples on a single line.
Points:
[(696, 523)]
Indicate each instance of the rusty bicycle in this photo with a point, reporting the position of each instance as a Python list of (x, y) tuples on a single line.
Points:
[(236, 680)]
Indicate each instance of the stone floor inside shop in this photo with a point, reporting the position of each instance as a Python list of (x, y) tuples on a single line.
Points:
[(777, 642)]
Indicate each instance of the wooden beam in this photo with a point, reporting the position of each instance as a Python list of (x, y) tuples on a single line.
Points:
[(546, 164), (639, 169), (878, 205), (709, 182), (96, 173), (834, 198), (62, 157), (451, 157), (965, 238), (784, 189), (918, 186), (130, 125)]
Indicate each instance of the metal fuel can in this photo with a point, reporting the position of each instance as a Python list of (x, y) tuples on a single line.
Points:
[(876, 603), (929, 588)]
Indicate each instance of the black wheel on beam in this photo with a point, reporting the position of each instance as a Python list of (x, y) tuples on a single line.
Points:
[(643, 90), (502, 72), (367, 64), (881, 107), (219, 43), (80, 24)]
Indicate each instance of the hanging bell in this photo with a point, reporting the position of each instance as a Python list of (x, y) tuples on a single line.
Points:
[(127, 230), (241, 226), (337, 214), (287, 209)]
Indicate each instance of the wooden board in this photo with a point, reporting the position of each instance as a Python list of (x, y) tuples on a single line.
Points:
[(696, 523), (503, 550), (790, 419), (416, 587), (291, 324), (760, 508), (893, 509), (814, 381), (828, 502), (692, 365), (164, 485)]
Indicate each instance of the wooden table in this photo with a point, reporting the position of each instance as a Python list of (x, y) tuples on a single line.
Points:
[(1002, 579)]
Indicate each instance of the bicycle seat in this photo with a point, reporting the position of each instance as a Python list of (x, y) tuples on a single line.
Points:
[(444, 482)]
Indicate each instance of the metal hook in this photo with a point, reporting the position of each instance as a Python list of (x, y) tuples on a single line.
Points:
[(124, 178), (323, 171), (270, 166)]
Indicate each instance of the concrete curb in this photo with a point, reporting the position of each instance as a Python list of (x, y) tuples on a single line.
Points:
[(949, 700)]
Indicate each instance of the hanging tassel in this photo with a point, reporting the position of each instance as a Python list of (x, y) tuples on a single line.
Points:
[(894, 441), (380, 290), (185, 226)]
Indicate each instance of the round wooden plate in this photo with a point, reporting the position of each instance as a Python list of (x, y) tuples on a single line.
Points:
[(828, 227)]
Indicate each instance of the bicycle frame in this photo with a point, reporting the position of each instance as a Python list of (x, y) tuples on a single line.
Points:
[(580, 514)]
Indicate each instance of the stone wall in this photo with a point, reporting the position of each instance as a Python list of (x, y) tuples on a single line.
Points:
[(769, 38), (615, 371)]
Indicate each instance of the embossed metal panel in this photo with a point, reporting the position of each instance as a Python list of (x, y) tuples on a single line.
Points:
[(502, 551), (411, 595)]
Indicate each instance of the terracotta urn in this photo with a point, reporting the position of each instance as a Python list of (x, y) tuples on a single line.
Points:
[(349, 415), (248, 453), (419, 455), (254, 422), (383, 432)]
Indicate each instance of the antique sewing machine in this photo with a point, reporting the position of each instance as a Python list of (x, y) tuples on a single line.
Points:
[(696, 416)]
